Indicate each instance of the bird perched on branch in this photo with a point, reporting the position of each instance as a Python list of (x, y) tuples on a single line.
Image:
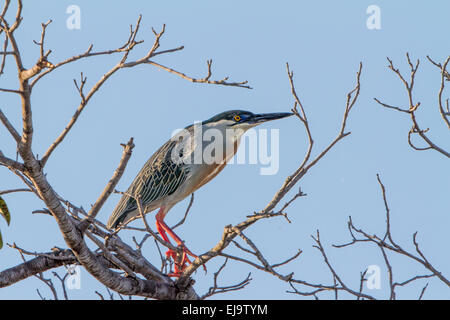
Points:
[(190, 159)]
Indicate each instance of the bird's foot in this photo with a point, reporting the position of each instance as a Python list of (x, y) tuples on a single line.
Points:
[(181, 260)]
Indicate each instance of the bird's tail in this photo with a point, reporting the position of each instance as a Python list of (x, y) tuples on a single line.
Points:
[(121, 212)]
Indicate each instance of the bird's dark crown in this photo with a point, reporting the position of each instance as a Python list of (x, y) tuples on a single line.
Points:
[(228, 115)]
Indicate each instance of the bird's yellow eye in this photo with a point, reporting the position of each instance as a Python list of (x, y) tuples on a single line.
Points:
[(237, 118)]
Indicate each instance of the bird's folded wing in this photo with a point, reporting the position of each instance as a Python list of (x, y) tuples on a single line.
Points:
[(160, 177)]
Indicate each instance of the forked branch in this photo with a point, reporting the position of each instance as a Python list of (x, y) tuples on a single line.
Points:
[(413, 106)]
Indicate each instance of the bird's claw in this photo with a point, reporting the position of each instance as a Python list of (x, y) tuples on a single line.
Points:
[(181, 260)]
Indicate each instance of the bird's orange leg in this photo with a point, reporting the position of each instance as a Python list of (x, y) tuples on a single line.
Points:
[(180, 263), (163, 235), (170, 253)]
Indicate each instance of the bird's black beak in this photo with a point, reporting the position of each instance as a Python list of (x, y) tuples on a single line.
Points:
[(263, 117)]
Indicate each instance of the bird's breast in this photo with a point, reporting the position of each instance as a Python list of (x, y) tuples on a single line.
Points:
[(208, 171), (205, 158)]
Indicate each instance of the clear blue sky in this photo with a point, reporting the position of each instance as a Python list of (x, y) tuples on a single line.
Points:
[(323, 41)]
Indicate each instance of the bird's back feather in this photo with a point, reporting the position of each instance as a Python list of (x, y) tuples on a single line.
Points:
[(158, 178)]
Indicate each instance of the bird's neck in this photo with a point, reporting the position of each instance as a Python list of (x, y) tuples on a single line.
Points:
[(224, 137)]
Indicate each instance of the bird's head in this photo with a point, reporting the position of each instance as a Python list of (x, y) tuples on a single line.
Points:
[(243, 120), (219, 135)]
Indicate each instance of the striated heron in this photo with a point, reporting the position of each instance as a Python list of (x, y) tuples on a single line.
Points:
[(190, 159)]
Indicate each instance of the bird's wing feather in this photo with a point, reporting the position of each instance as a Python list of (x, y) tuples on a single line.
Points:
[(158, 178)]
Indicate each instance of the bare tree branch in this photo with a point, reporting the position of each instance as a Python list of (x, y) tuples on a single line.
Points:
[(216, 289), (35, 266), (130, 45), (9, 126), (179, 223), (109, 188), (335, 275), (14, 190), (7, 162), (383, 244), (223, 82), (63, 284), (444, 77), (409, 86)]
